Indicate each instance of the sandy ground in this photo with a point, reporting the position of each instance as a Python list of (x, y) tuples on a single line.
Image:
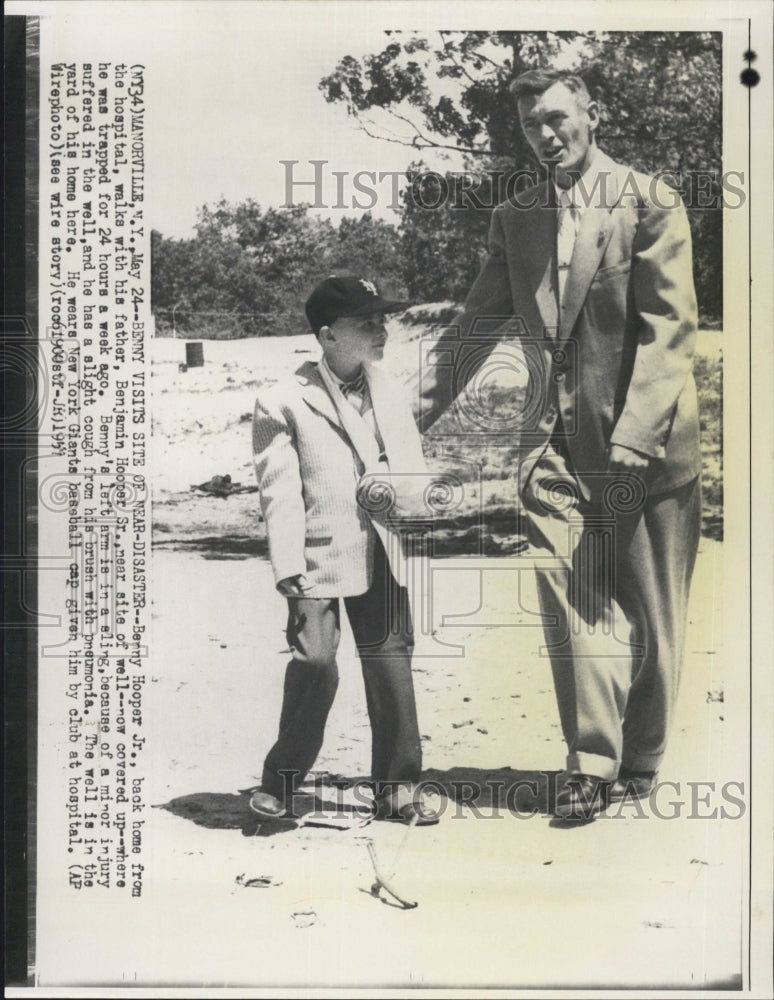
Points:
[(506, 897), (509, 899)]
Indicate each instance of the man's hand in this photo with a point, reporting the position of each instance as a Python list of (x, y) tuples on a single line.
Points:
[(294, 586), (623, 459)]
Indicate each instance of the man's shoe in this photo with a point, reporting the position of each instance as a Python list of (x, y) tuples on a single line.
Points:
[(632, 785), (402, 809), (267, 806), (582, 798)]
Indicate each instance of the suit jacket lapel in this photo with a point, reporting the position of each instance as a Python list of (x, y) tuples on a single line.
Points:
[(595, 231), (315, 394), (537, 246)]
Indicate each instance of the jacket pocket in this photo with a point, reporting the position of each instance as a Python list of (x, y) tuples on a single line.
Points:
[(318, 531)]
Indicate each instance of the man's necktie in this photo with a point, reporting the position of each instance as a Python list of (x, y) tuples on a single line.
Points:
[(568, 219)]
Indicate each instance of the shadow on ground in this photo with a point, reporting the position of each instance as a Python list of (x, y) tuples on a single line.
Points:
[(507, 789), (220, 811)]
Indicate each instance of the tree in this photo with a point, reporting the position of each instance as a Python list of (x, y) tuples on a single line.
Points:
[(171, 264), (441, 247), (446, 93), (368, 247), (244, 273)]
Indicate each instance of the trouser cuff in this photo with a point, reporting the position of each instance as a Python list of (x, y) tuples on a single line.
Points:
[(641, 761), (594, 764)]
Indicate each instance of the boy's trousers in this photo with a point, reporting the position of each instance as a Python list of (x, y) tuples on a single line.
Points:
[(382, 627)]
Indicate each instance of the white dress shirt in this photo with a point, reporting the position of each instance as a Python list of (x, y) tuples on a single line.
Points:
[(568, 224)]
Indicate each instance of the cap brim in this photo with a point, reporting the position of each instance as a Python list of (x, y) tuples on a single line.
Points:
[(377, 306)]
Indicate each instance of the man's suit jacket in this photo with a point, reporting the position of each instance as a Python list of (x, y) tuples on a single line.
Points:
[(308, 470), (617, 366)]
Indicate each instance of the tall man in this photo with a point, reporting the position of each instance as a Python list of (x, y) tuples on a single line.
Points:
[(595, 264), (316, 436)]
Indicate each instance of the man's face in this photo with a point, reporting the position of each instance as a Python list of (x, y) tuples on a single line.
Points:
[(559, 129), (360, 339)]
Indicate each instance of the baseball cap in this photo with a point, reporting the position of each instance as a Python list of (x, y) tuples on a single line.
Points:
[(339, 297)]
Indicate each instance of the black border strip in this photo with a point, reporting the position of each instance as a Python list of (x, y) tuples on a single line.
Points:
[(18, 318), (31, 240)]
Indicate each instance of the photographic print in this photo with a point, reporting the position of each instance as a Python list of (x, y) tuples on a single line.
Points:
[(390, 524)]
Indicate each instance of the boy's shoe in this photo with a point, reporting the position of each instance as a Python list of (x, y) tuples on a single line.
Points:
[(405, 806), (267, 806)]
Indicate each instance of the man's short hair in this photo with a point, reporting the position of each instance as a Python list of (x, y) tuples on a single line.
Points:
[(537, 81)]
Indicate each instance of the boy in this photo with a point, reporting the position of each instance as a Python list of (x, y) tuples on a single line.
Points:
[(314, 438)]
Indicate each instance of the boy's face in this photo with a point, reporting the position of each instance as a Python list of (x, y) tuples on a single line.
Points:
[(358, 340)]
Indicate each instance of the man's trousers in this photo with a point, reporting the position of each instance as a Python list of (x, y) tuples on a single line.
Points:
[(383, 631), (613, 581)]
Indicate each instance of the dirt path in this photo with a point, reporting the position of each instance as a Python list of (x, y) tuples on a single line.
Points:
[(504, 898)]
